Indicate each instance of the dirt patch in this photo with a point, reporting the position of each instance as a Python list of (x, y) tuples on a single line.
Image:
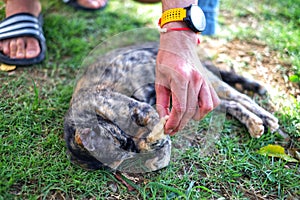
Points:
[(252, 59)]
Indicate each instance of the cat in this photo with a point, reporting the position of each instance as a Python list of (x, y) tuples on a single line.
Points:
[(112, 113)]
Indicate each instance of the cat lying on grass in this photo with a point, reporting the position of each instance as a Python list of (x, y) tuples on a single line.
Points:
[(112, 122)]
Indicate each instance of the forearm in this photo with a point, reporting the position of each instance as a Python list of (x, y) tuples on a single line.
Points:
[(168, 4)]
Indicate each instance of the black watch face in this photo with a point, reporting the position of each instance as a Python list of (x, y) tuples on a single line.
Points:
[(197, 17)]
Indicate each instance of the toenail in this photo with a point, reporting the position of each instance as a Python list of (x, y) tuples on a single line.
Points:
[(30, 53), (20, 54)]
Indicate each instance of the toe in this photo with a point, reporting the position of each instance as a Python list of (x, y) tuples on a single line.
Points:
[(32, 48), (20, 48), (102, 2), (5, 47), (92, 4), (13, 48)]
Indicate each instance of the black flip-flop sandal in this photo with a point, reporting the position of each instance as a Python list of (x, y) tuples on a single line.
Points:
[(75, 4), (21, 25)]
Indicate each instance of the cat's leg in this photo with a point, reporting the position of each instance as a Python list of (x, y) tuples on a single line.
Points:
[(79, 155), (226, 92), (111, 127), (269, 120), (238, 82), (253, 123)]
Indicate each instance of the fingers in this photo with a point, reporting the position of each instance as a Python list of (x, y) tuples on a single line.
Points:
[(192, 96), (215, 98), (162, 100), (184, 104), (208, 100), (205, 102), (191, 106), (177, 112), (197, 101), (179, 105)]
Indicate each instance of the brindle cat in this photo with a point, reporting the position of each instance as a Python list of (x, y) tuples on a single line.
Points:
[(111, 113)]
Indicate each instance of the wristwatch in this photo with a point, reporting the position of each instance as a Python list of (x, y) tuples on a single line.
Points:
[(192, 15)]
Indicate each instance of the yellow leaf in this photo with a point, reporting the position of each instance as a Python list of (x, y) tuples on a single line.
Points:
[(7, 68), (275, 151)]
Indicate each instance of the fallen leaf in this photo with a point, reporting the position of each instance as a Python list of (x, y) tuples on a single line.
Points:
[(7, 68), (275, 151)]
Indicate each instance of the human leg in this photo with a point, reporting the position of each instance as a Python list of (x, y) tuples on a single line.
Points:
[(210, 9), (148, 1), (90, 5)]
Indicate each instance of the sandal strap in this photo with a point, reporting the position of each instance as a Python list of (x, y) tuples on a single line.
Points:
[(21, 24)]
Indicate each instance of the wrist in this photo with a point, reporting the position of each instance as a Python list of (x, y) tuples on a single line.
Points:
[(175, 25), (181, 44), (177, 39), (184, 36)]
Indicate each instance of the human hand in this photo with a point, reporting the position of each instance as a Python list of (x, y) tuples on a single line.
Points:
[(180, 81)]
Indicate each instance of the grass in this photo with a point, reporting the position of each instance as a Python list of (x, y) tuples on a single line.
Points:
[(277, 24), (34, 164)]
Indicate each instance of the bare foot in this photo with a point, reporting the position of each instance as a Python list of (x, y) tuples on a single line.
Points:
[(93, 4), (21, 47), (148, 1)]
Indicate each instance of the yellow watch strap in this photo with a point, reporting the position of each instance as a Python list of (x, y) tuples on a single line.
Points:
[(172, 15)]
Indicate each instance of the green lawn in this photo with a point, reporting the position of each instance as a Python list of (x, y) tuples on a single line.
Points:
[(34, 164)]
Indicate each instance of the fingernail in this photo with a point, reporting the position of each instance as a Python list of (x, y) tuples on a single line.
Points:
[(169, 132)]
